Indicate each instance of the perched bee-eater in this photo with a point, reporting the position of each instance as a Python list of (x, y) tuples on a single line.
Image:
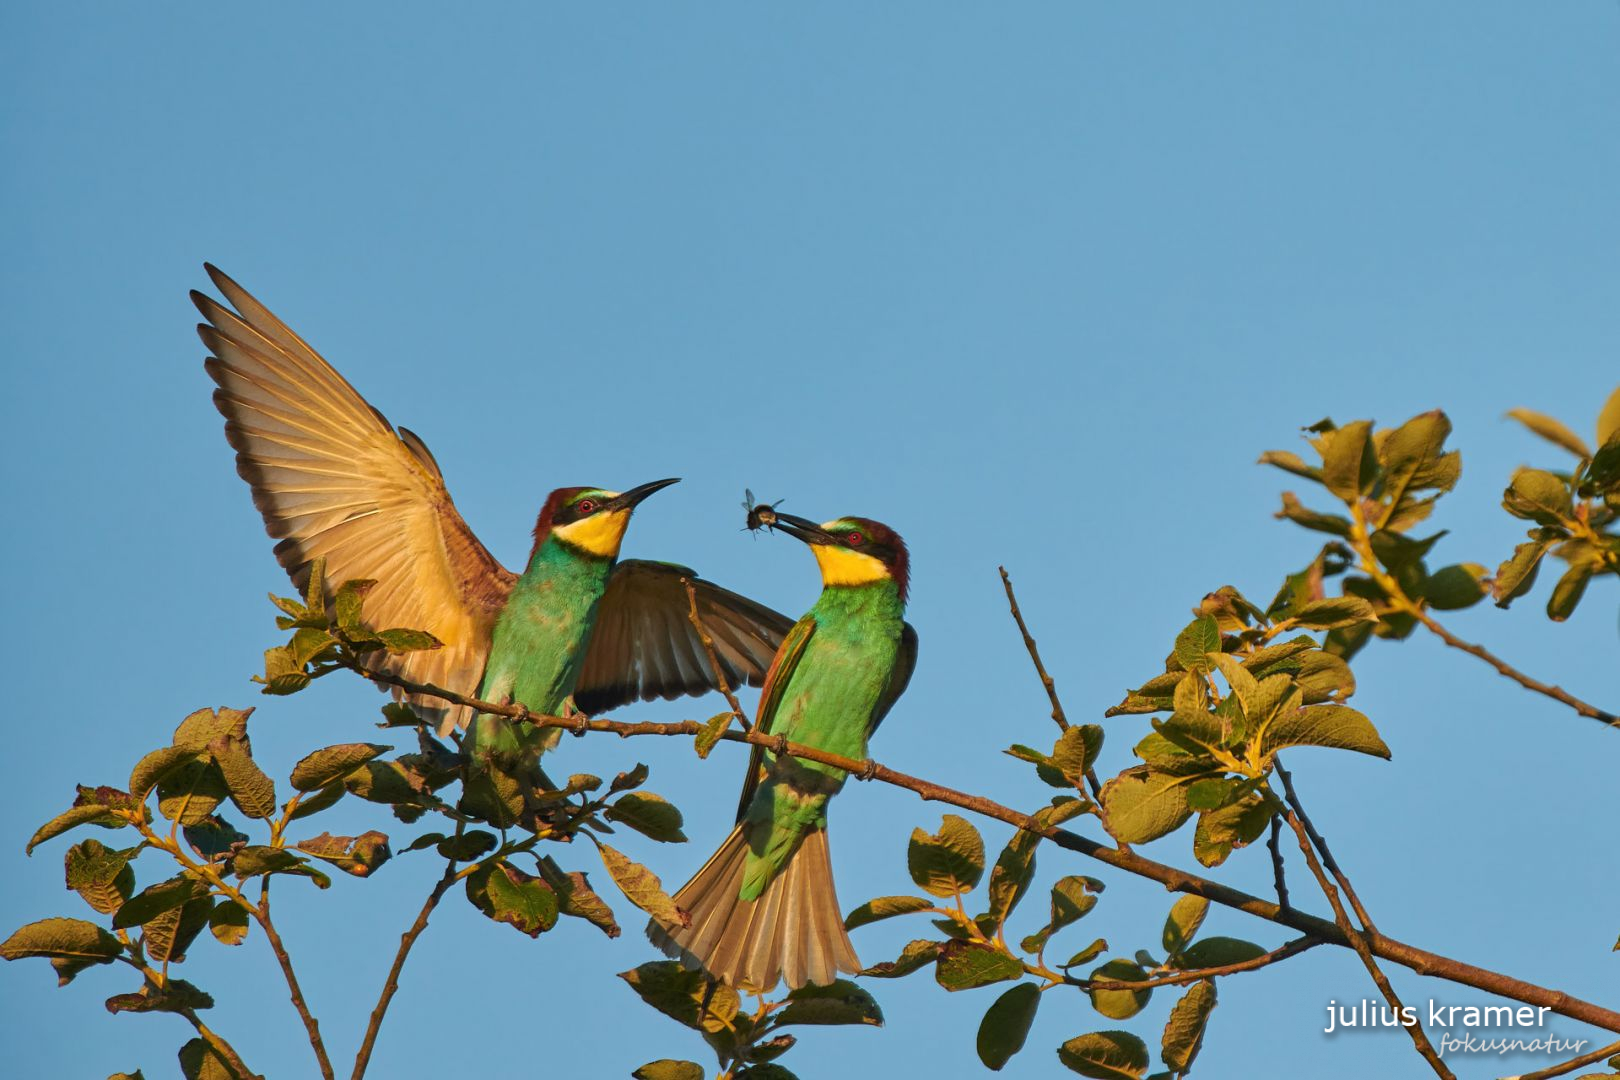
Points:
[(763, 908), (577, 629)]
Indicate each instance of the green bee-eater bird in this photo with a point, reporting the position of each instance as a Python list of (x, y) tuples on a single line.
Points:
[(763, 908), (334, 480)]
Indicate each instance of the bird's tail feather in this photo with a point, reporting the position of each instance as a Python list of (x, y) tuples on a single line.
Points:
[(792, 933)]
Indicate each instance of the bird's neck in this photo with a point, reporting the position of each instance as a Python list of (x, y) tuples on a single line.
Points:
[(876, 601), (556, 563)]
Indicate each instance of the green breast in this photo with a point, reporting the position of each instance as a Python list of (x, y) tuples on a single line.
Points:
[(541, 636)]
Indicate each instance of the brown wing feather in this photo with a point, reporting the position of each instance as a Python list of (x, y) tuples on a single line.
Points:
[(776, 680), (644, 645), (333, 480)]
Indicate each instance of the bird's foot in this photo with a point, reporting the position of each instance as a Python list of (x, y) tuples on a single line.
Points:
[(522, 715), (780, 745), (868, 770), (581, 721)]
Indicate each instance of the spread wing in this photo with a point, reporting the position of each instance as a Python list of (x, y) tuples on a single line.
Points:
[(334, 480), (776, 680), (644, 645), (905, 662)]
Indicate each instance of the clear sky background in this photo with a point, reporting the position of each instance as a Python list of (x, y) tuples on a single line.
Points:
[(1033, 283)]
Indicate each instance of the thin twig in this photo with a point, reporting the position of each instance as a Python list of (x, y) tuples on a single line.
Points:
[(714, 659), (1179, 978), (1275, 843), (1420, 1040), (1058, 715), (391, 985), (225, 1050), (1361, 540), (261, 915), (1321, 846), (1588, 1058), (1176, 880)]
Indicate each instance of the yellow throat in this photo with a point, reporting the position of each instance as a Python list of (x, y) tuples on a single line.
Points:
[(599, 535), (840, 566)]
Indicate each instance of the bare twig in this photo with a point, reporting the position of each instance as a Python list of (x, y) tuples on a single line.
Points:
[(1180, 978), (1419, 960), (1321, 846), (1362, 542), (1363, 949), (714, 659), (261, 915), (406, 941), (225, 1050), (1058, 715), (1275, 844), (1588, 1058)]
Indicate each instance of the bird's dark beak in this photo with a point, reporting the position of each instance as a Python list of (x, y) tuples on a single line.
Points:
[(629, 499), (803, 528)]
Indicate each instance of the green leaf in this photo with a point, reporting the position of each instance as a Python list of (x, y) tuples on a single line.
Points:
[(1006, 1025), (88, 814), (1349, 466), (154, 900), (1010, 877), (885, 907), (1213, 952), (62, 939), (357, 855), (642, 887), (1076, 751), (1608, 423), (251, 790), (706, 740), (1143, 805), (1120, 1004), (509, 895), (1452, 588), (1552, 430), (229, 922), (1106, 1055), (965, 965), (1300, 514), (175, 995), (1567, 593), (332, 763), (1517, 574), (403, 641), (681, 994), (650, 815), (1290, 462), (167, 937), (464, 848), (192, 792), (1323, 676), (916, 955), (1338, 727), (387, 782), (1335, 612), (202, 728), (154, 766), (769, 1071), (576, 898), (214, 837), (840, 1002), (259, 859), (320, 800), (948, 863), (669, 1069), (1087, 954), (1233, 826), (1184, 1031), (1194, 644), (1186, 916), (199, 1061), (1073, 897), (1539, 496), (101, 875)]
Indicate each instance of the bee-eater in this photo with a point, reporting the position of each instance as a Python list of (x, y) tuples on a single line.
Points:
[(334, 480), (763, 908)]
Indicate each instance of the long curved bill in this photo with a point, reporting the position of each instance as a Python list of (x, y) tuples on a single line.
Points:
[(629, 499), (802, 528)]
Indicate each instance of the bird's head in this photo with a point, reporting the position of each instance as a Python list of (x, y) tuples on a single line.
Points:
[(591, 520), (850, 550)]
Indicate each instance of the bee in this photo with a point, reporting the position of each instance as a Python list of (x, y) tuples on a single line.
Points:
[(760, 515)]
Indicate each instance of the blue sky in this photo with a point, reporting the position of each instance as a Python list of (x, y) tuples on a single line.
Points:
[(1033, 284)]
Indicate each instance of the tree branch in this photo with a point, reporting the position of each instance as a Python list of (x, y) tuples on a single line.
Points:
[(1358, 942), (1278, 878), (1572, 1064), (714, 660), (261, 915), (1179, 978), (406, 941), (1419, 960)]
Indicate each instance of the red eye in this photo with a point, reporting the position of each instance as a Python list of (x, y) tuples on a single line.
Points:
[(855, 539), (586, 506)]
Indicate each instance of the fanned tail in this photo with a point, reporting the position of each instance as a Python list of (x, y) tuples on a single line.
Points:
[(793, 933)]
